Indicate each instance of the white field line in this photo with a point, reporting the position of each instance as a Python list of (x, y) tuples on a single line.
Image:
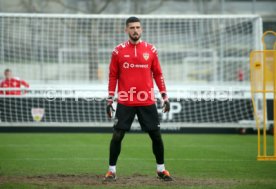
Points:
[(126, 159), (107, 144)]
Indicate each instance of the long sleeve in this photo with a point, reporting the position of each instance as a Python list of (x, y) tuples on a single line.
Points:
[(24, 83), (113, 74), (132, 69), (1, 86), (158, 75)]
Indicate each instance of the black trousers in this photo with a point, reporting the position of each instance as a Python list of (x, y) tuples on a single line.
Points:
[(149, 121)]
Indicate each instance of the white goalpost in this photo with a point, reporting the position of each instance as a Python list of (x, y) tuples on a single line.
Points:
[(65, 59)]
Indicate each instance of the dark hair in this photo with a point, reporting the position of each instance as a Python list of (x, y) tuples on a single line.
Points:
[(132, 19), (7, 70)]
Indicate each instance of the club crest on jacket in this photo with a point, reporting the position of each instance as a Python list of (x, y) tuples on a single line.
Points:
[(146, 56)]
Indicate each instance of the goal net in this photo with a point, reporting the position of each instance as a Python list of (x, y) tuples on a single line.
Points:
[(65, 59)]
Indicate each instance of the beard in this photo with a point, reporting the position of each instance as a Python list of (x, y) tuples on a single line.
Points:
[(135, 37)]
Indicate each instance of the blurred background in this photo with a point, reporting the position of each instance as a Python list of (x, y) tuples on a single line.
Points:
[(69, 45), (62, 48), (265, 8), (59, 47)]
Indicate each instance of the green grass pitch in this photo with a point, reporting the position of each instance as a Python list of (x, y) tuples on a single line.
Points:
[(81, 160)]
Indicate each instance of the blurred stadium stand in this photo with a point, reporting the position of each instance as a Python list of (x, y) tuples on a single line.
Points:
[(265, 8)]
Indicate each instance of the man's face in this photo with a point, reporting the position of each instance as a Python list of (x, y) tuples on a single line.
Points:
[(8, 74), (134, 31)]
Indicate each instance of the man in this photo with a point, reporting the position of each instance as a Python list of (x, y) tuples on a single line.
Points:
[(134, 64), (12, 82)]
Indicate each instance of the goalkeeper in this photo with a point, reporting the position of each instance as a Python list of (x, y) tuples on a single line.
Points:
[(134, 64)]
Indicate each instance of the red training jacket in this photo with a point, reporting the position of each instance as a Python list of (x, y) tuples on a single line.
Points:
[(134, 66), (13, 83)]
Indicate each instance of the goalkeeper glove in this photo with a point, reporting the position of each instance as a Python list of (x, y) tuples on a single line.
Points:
[(109, 107), (166, 105)]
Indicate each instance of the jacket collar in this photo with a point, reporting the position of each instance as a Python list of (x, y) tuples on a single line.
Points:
[(139, 42)]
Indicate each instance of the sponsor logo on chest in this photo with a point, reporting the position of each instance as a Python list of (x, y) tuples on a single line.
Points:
[(127, 65)]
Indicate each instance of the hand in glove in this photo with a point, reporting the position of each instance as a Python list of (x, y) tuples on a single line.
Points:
[(166, 104), (109, 107)]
